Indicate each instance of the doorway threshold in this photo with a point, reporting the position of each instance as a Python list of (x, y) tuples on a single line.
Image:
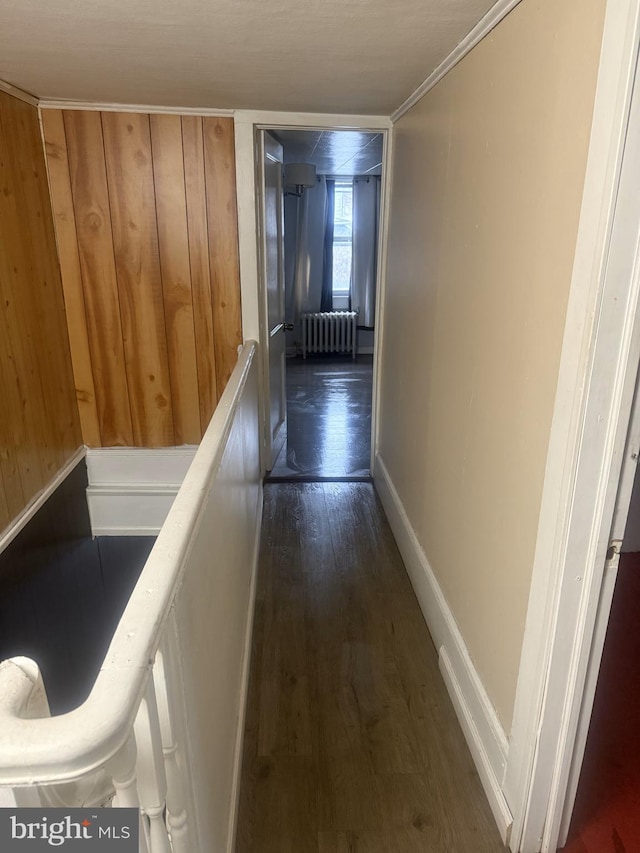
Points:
[(315, 478)]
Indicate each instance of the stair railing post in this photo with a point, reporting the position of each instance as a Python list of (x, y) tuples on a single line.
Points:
[(152, 781), (166, 673), (122, 770)]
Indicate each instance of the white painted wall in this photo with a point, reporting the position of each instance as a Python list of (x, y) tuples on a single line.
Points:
[(214, 612)]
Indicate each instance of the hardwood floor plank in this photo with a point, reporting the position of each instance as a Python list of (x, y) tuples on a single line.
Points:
[(285, 803), (284, 726), (404, 840), (329, 418), (352, 745)]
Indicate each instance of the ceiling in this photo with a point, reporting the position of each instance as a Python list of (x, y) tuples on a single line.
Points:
[(343, 56), (333, 152)]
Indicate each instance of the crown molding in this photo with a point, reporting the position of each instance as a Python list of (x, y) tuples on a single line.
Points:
[(18, 93), (484, 26), (59, 104)]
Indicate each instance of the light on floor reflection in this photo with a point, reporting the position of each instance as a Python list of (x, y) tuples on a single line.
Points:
[(334, 433), (329, 420)]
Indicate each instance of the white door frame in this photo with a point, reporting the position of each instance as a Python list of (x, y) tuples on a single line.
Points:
[(616, 537), (249, 195), (273, 328), (598, 368)]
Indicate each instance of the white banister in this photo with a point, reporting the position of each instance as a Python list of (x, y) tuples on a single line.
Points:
[(166, 675), (122, 770), (152, 782), (158, 736)]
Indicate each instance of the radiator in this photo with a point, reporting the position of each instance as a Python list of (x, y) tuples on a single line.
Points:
[(330, 331)]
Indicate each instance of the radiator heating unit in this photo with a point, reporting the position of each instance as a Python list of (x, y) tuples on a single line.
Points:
[(330, 331)]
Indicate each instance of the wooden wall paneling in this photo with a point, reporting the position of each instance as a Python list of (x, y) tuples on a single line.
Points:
[(173, 242), (39, 426), (60, 389), (19, 447), (13, 458), (5, 513), (22, 456), (19, 459), (196, 198), (222, 220), (46, 298), (147, 231), (42, 293), (135, 240), (39, 336), (23, 396), (62, 201), (95, 248)]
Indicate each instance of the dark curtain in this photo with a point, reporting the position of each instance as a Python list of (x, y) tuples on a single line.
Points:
[(326, 300), (308, 251)]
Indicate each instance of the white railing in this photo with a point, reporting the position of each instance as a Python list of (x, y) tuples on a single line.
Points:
[(162, 726)]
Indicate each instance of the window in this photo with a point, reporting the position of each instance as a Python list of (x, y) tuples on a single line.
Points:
[(342, 230)]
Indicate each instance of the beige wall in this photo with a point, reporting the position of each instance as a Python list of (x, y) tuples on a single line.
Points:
[(487, 183)]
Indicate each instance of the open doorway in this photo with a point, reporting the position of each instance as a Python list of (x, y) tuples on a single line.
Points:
[(606, 815), (332, 181), (603, 796)]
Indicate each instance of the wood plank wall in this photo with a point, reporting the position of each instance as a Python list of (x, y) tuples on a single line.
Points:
[(39, 428), (146, 221)]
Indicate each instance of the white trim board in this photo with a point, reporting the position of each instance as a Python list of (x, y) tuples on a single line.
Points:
[(266, 119), (27, 97), (93, 106), (131, 489), (482, 729), (484, 26), (9, 534), (246, 123), (248, 190), (381, 288)]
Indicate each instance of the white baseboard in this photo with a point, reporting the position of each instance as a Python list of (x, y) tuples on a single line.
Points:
[(244, 692), (482, 729), (131, 489), (470, 719)]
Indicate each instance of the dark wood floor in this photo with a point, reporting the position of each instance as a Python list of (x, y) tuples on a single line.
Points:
[(329, 418), (62, 592), (351, 743)]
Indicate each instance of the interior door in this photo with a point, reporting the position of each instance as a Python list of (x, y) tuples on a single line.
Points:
[(273, 289)]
